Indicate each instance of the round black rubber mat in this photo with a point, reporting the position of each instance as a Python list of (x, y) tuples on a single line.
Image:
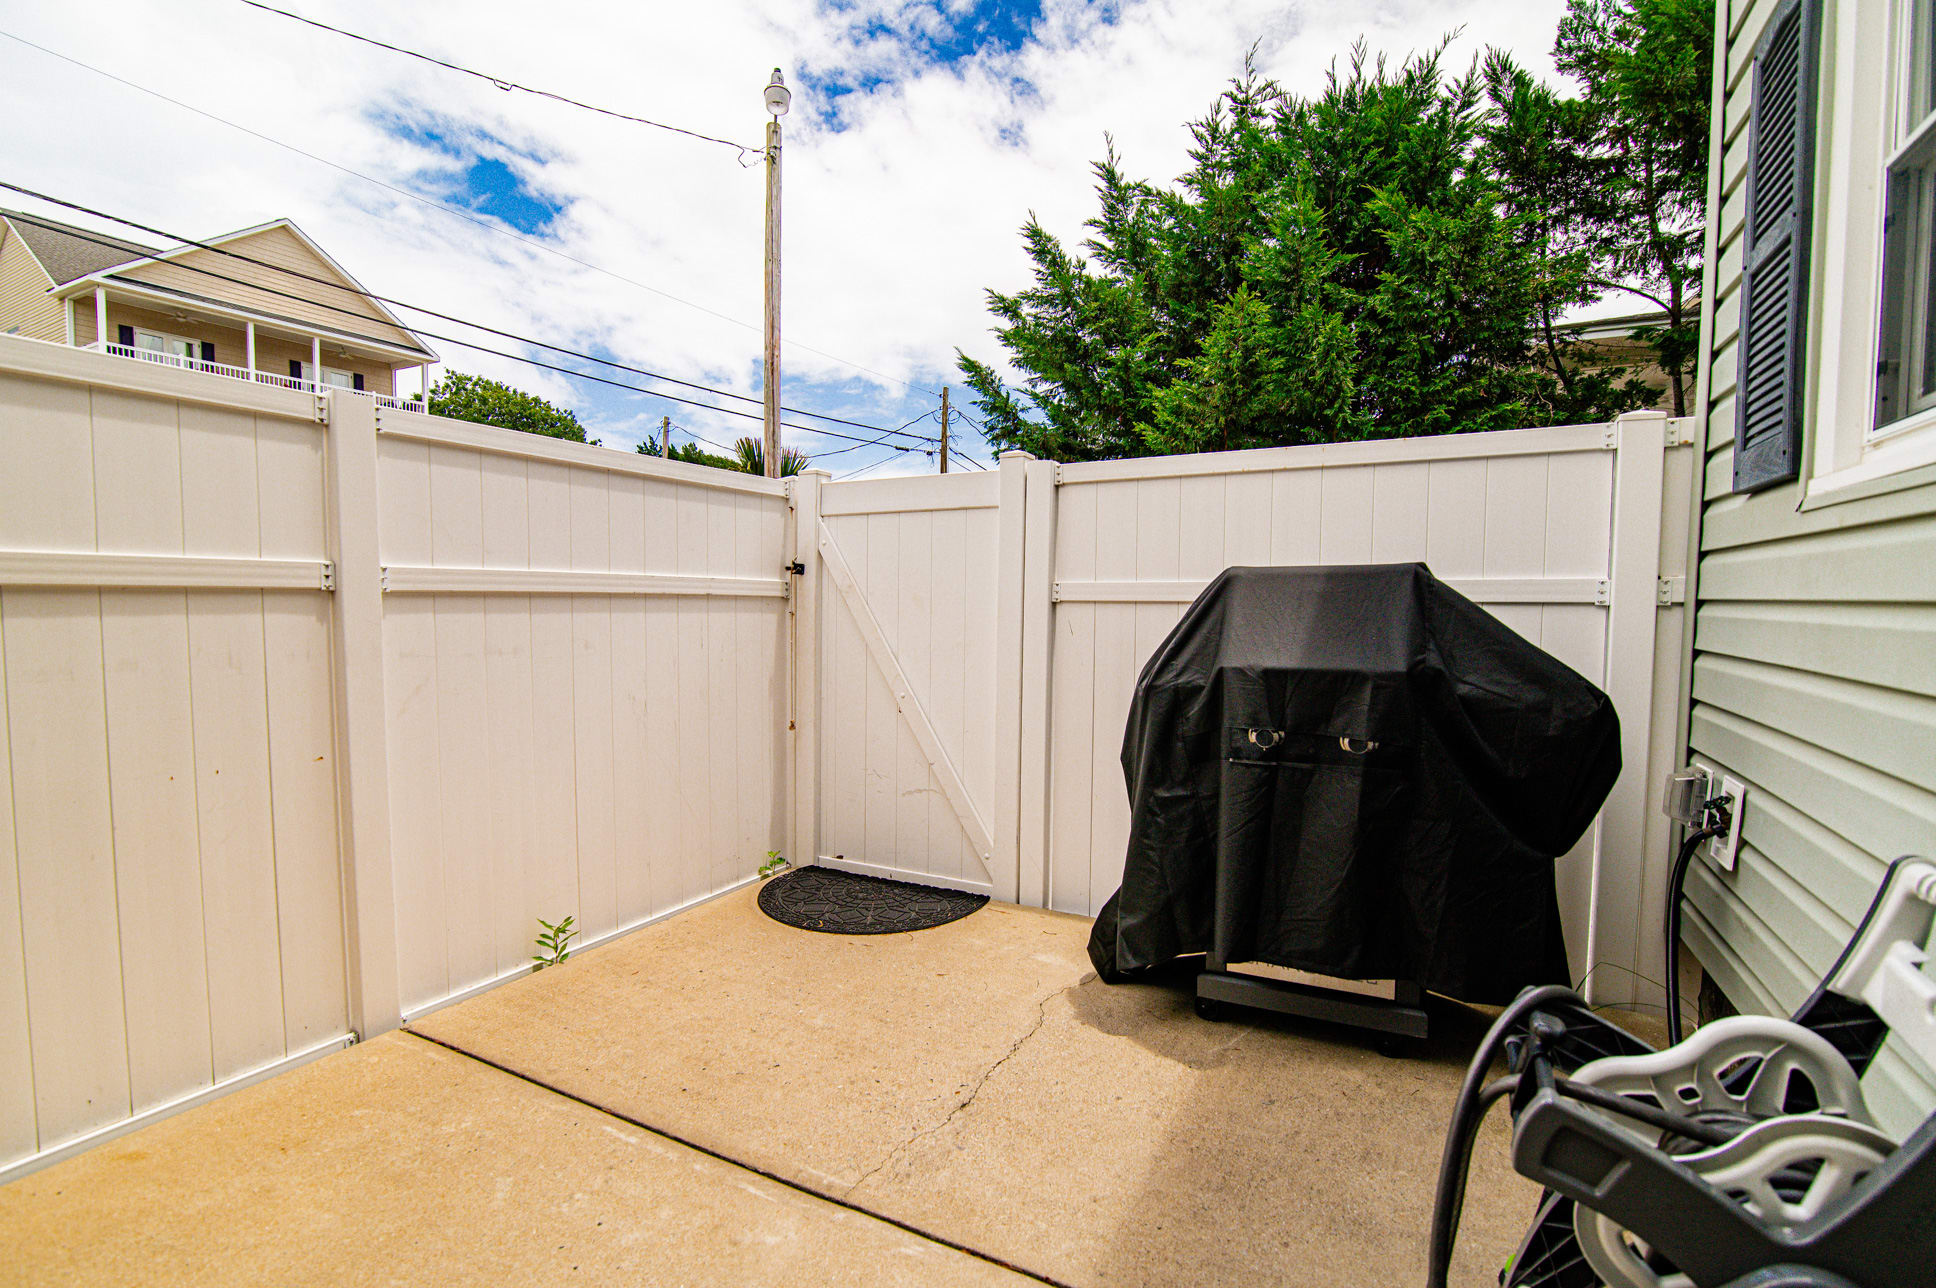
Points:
[(845, 903)]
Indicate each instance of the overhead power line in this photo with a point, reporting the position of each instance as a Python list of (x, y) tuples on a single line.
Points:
[(851, 474), (450, 339), (842, 451), (455, 213), (717, 447), (509, 335), (418, 308), (506, 85)]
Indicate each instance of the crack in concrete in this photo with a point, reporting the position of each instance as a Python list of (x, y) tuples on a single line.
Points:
[(1217, 1053), (661, 1139), (1041, 1018)]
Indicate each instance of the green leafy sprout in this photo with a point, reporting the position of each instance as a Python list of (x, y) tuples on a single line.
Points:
[(554, 945)]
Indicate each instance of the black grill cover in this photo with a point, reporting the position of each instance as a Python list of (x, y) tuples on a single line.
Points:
[(1355, 771)]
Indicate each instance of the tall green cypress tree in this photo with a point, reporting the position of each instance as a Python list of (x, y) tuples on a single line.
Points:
[(1391, 256)]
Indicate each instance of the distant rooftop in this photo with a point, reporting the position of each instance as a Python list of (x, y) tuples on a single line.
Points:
[(68, 252)]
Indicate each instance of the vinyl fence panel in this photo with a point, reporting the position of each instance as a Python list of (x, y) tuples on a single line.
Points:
[(173, 918), (1499, 526), (584, 663), (244, 817)]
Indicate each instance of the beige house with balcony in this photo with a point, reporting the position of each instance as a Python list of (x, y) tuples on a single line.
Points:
[(264, 303)]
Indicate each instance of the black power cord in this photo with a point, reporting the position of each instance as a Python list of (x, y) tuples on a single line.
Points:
[(1475, 1098), (1719, 826)]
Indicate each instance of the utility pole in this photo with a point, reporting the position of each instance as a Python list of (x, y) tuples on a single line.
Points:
[(944, 429), (665, 438), (778, 99)]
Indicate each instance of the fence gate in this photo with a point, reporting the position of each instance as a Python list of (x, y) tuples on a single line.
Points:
[(966, 646), (902, 577)]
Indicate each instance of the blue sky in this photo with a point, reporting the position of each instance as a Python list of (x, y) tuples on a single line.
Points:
[(478, 173), (929, 35), (501, 182), (922, 136)]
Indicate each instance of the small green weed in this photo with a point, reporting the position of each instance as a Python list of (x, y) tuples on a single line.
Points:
[(554, 945), (773, 863)]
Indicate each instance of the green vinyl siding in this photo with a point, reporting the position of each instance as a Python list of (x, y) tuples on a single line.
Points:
[(1814, 677)]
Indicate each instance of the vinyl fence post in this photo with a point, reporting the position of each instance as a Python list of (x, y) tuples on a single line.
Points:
[(1038, 643), (1624, 874), (362, 757), (1010, 592), (803, 829)]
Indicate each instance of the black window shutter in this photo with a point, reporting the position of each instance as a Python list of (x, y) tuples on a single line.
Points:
[(356, 380), (295, 369), (208, 351), (126, 336), (1774, 287)]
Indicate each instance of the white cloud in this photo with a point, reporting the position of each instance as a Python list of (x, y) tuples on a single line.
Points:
[(895, 225)]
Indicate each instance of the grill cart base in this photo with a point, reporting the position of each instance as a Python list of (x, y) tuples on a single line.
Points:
[(1399, 1017)]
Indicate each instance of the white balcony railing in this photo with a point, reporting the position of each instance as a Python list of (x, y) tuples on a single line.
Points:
[(259, 377)]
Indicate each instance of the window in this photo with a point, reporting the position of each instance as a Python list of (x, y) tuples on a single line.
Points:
[(332, 377), (1906, 362), (172, 346), (1871, 374)]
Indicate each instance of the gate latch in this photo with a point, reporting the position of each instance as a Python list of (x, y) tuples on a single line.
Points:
[(797, 568)]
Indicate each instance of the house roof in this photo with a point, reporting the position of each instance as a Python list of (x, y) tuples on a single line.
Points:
[(1608, 328), (74, 257), (66, 252)]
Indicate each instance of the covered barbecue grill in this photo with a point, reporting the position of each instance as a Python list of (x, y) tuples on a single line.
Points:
[(1359, 773)]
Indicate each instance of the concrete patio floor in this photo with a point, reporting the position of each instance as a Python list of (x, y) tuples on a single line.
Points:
[(722, 1099), (398, 1162)]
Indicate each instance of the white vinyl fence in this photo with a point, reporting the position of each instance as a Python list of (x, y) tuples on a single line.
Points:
[(170, 904), (979, 637), (585, 667), (310, 708), (313, 707)]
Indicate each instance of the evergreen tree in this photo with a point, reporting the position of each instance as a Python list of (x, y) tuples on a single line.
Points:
[(1332, 268), (1394, 255), (691, 454)]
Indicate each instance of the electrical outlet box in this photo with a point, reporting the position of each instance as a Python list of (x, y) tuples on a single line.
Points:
[(1687, 793), (1725, 848)]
